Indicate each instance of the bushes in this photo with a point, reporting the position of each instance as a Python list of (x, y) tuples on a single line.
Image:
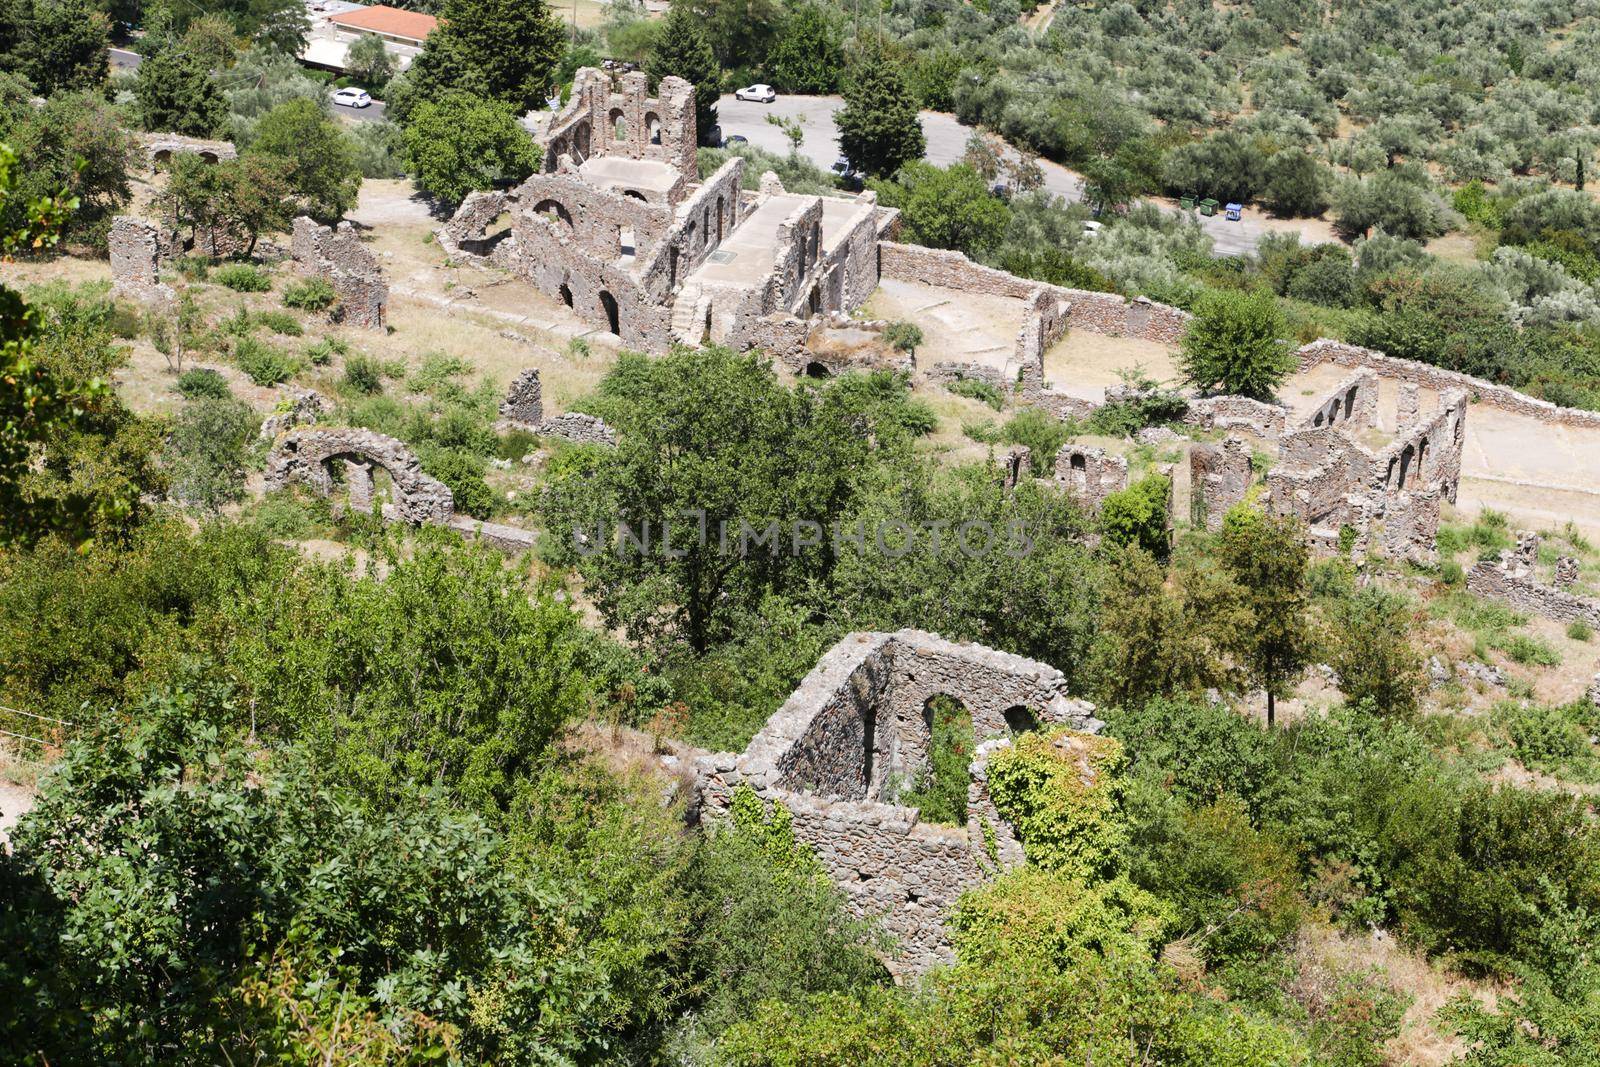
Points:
[(977, 389), (1062, 791), (363, 376), (462, 471), (308, 294), (1041, 432), (280, 322), (263, 363), (1137, 515), (242, 278), (202, 382)]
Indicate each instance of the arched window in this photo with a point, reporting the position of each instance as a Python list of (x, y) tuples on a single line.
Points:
[(652, 124), (608, 305), (619, 125)]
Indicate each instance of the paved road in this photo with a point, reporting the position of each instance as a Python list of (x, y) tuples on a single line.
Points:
[(374, 113), (947, 143)]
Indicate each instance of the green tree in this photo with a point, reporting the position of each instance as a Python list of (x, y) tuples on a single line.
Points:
[(879, 131), (62, 45), (946, 207), (175, 92), (682, 49), (716, 465), (1400, 203), (322, 167), (1236, 344), (207, 449), (76, 143), (1157, 638), (808, 54), (1266, 556), (1371, 650), (368, 61), (1296, 184), (1138, 515), (243, 197), (55, 473), (461, 143), (505, 51)]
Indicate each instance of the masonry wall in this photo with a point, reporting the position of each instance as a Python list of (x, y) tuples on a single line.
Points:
[(586, 126), (1102, 313), (135, 249), (594, 218), (1350, 405), (703, 222), (348, 265), (1513, 582), (851, 733)]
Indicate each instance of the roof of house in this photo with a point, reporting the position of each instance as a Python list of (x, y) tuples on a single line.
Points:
[(381, 18)]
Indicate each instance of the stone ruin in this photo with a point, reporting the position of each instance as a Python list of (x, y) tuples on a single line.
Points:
[(1090, 474), (159, 148), (523, 409), (308, 457), (306, 407), (1513, 578), (1219, 478), (1015, 464), (135, 248), (1387, 496), (620, 228), (348, 265), (858, 729)]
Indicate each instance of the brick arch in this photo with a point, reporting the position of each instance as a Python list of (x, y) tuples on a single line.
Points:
[(550, 206), (307, 457)]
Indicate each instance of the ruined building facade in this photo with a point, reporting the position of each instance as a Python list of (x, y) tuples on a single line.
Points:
[(620, 228), (857, 730), (1337, 471)]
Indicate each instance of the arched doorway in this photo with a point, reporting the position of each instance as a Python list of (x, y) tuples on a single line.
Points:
[(653, 125), (1020, 720), (814, 369), (566, 294), (553, 209), (608, 306), (938, 788)]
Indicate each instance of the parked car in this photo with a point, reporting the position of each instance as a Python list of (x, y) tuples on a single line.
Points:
[(1091, 227), (761, 94), (842, 168), (352, 96), (735, 140)]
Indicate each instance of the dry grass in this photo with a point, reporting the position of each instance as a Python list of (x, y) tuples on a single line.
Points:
[(1323, 953)]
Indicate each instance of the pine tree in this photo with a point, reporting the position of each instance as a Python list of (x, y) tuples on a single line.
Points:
[(176, 93), (506, 50), (683, 50), (878, 127)]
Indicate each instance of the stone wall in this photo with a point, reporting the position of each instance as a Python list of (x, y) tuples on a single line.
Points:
[(1353, 405), (523, 408), (306, 457), (305, 407), (135, 247), (467, 232), (159, 148), (660, 128), (1219, 478), (595, 218), (1236, 413), (348, 265), (1102, 313), (702, 222), (1512, 579), (1045, 324), (854, 731), (1430, 377), (1090, 474)]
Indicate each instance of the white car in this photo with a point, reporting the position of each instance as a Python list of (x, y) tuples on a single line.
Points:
[(350, 96), (761, 94)]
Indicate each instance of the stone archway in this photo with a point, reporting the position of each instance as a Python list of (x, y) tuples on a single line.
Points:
[(565, 292), (554, 209), (308, 457)]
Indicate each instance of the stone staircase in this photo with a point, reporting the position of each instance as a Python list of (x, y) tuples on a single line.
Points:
[(689, 315)]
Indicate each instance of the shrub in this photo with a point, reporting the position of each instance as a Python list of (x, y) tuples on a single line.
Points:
[(1062, 791), (1578, 630), (280, 322), (319, 353), (1041, 432), (1137, 515), (308, 294), (202, 382), (977, 389), (242, 278), (1524, 648), (363, 376), (903, 336), (462, 471), (263, 363), (194, 268)]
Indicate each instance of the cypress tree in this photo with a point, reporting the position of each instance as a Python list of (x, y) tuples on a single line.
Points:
[(683, 49), (878, 126)]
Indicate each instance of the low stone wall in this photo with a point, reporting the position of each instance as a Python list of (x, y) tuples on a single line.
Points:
[(1102, 313), (523, 408), (854, 730), (467, 230), (1430, 377), (956, 370), (1517, 587), (1236, 413), (579, 428), (348, 265), (161, 147)]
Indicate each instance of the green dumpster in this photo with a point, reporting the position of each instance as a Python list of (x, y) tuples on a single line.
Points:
[(1187, 203), (1208, 206)]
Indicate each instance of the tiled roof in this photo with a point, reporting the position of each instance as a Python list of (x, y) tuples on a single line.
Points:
[(381, 18)]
